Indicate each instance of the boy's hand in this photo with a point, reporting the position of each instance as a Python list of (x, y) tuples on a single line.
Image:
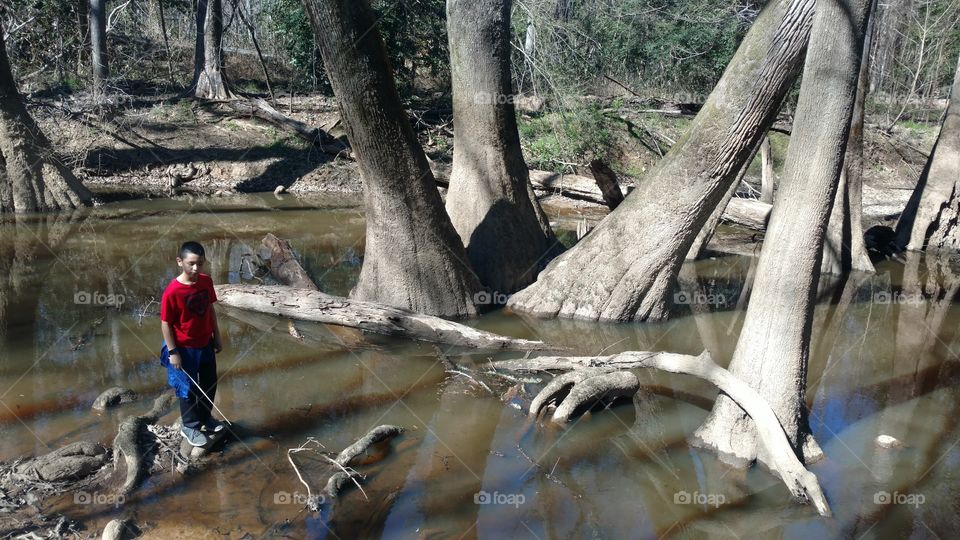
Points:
[(175, 360), (217, 347)]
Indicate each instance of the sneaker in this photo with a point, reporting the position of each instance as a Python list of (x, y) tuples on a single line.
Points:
[(193, 436), (213, 425)]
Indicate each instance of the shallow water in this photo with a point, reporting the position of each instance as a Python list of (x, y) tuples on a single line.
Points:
[(884, 361)]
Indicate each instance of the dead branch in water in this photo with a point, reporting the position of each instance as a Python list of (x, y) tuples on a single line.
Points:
[(802, 483)]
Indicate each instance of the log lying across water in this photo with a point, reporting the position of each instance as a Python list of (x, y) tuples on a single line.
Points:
[(749, 213), (320, 307), (802, 483)]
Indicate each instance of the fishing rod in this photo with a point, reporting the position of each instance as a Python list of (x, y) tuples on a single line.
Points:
[(227, 420)]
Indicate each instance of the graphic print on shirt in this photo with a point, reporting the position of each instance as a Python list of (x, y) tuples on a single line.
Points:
[(198, 302)]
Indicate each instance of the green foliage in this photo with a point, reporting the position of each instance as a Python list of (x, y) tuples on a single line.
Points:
[(414, 32), (291, 22), (555, 140), (667, 45)]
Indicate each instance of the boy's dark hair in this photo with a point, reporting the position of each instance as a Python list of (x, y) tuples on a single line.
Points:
[(191, 247)]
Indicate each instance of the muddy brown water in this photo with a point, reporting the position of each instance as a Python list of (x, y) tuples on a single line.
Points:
[(884, 361)]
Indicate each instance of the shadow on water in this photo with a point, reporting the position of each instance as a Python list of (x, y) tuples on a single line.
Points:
[(78, 314)]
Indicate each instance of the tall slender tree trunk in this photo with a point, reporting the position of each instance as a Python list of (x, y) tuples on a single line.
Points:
[(211, 82), (844, 248), (200, 21), (488, 201), (774, 344), (414, 258), (930, 220), (627, 267), (98, 47), (31, 177)]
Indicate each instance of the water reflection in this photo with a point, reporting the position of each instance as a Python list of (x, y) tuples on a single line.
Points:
[(883, 362)]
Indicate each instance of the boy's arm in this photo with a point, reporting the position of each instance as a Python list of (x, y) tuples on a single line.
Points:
[(171, 343), (217, 345)]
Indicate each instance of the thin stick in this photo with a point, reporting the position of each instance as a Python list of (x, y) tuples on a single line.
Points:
[(227, 420), (352, 475)]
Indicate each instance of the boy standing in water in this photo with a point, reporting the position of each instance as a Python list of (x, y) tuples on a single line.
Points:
[(191, 340)]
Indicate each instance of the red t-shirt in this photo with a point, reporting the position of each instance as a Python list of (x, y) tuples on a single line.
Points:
[(187, 309)]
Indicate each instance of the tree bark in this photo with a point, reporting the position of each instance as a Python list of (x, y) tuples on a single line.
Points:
[(929, 222), (211, 82), (626, 268), (488, 201), (200, 21), (414, 258), (32, 179), (721, 211), (606, 180), (844, 249), (98, 47), (774, 345)]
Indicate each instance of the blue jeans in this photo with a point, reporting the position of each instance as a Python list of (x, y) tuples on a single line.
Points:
[(201, 365)]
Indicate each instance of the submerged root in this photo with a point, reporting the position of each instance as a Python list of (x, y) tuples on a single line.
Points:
[(348, 455)]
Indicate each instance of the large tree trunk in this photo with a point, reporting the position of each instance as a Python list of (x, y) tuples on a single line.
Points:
[(932, 215), (31, 177), (98, 47), (414, 258), (844, 248), (211, 82), (626, 268), (489, 201), (774, 345)]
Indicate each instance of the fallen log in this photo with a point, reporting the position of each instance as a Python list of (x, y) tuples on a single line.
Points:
[(368, 316), (284, 265), (749, 213), (802, 483), (259, 108), (573, 186)]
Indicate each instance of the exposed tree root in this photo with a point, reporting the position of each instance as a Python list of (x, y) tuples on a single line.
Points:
[(127, 441), (346, 474), (802, 483), (113, 397), (558, 388), (596, 388)]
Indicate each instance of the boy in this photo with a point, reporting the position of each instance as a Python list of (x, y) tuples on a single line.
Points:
[(191, 339)]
